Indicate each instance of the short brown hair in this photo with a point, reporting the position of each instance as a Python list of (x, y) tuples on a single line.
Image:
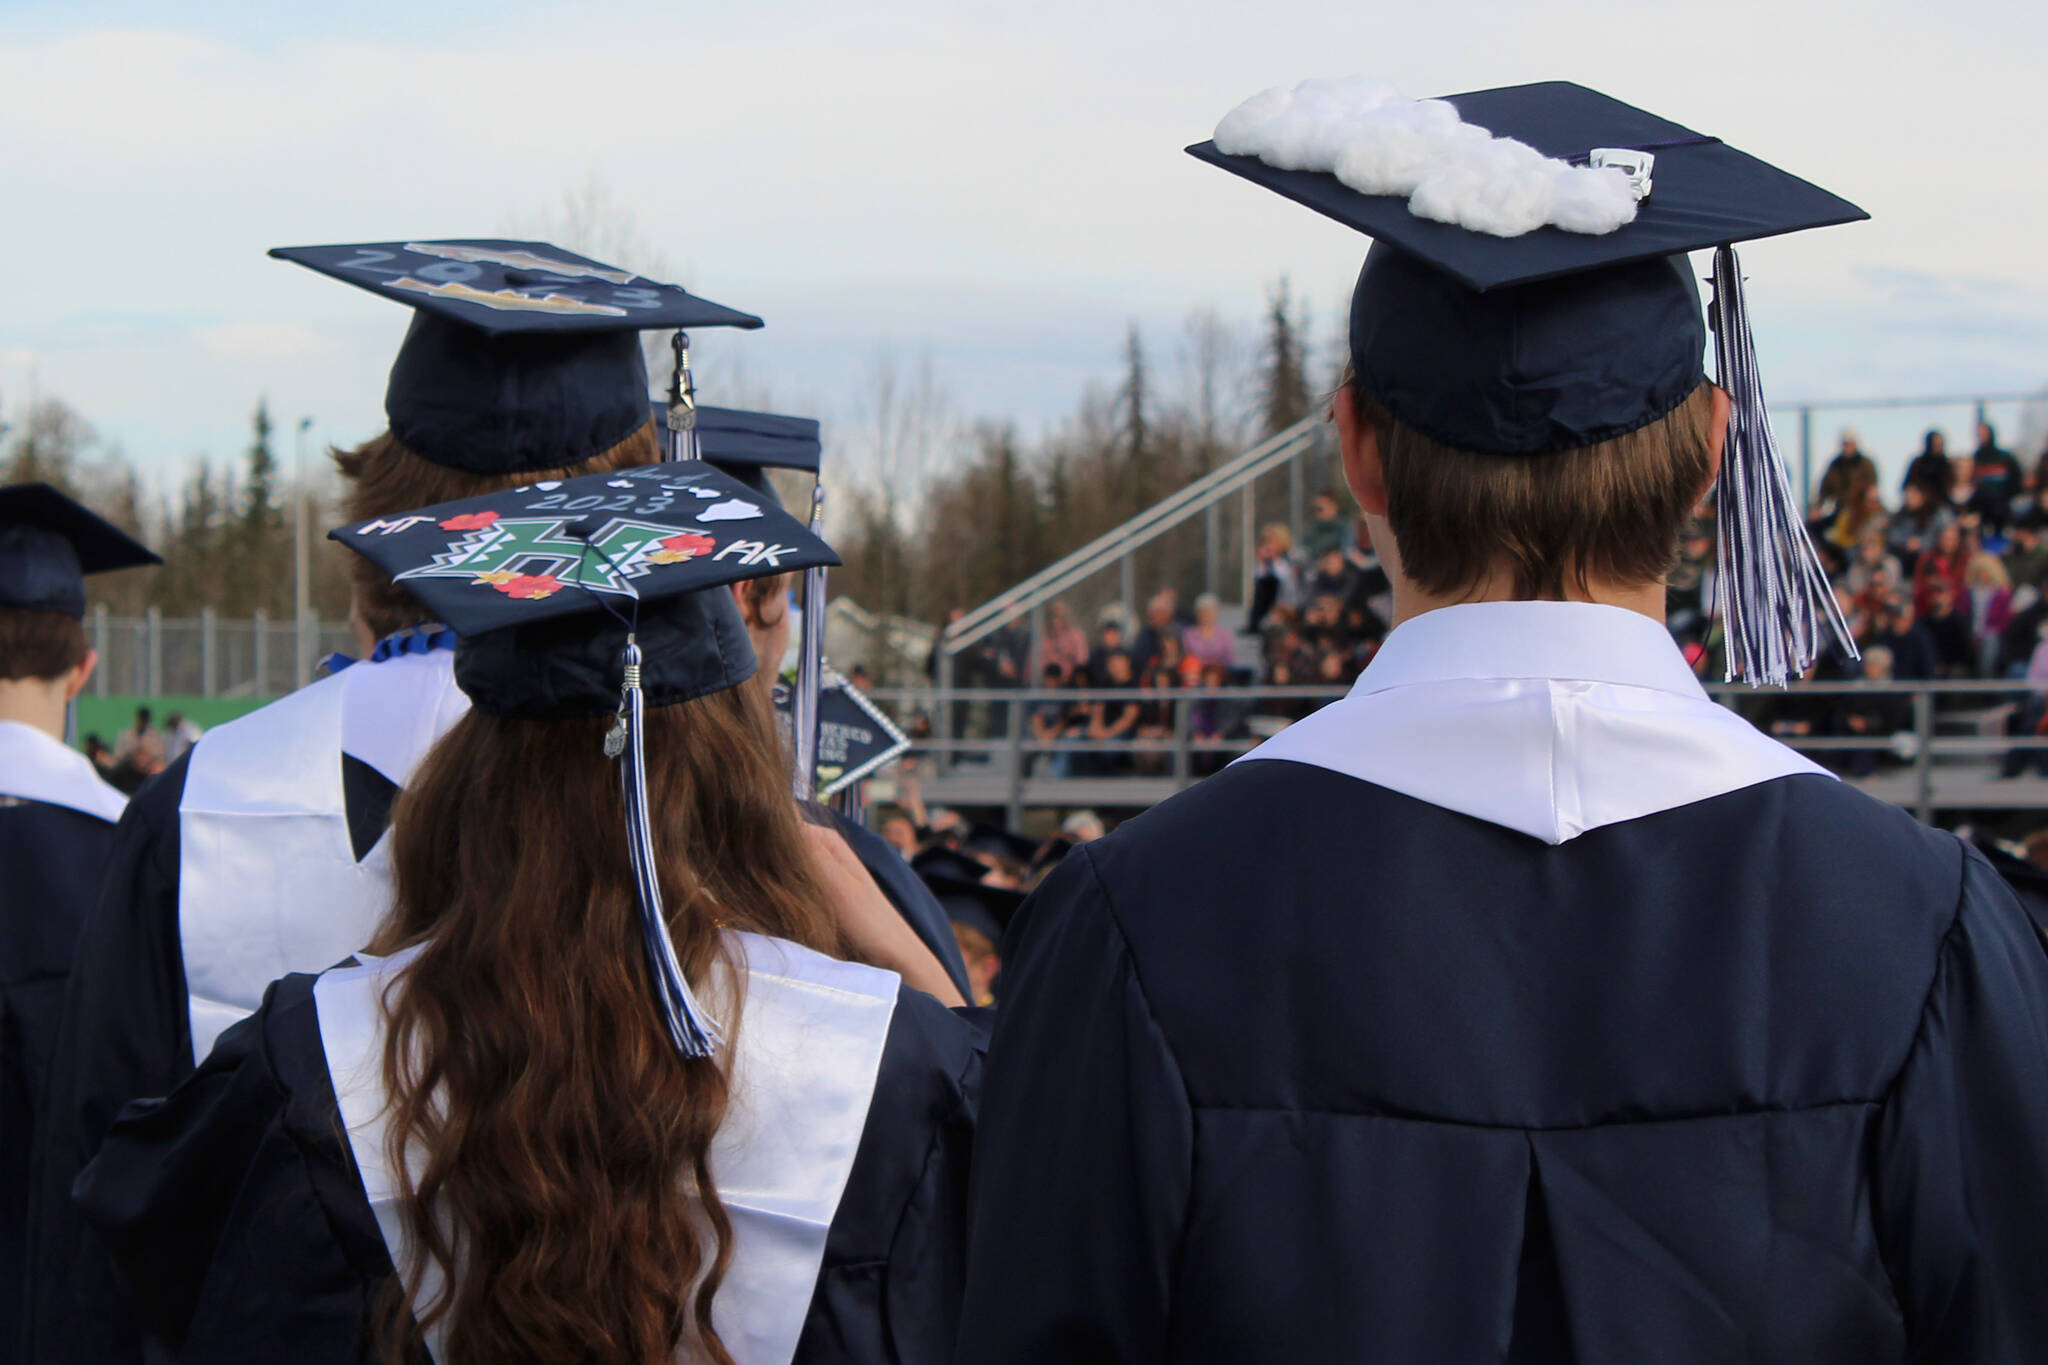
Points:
[(40, 644), (386, 479), (1611, 511)]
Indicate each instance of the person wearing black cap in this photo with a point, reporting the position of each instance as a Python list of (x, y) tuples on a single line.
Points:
[(1525, 1005), (262, 851), (746, 446), (621, 1077), (56, 816), (978, 910)]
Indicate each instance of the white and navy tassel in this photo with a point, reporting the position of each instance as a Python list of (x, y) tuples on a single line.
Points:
[(1772, 594), (689, 1027)]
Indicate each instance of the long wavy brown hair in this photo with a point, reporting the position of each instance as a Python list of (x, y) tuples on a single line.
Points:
[(556, 1143)]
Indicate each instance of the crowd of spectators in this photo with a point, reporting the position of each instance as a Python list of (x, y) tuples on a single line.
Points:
[(1945, 577)]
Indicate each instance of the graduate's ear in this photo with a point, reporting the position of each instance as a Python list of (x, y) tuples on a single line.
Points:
[(76, 679), (1717, 439), (1360, 445)]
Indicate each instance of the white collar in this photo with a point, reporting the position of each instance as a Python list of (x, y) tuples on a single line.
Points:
[(37, 767), (1580, 641), (1551, 718)]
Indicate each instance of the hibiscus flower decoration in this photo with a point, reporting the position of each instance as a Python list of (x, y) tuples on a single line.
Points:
[(471, 521), (531, 586), (682, 548)]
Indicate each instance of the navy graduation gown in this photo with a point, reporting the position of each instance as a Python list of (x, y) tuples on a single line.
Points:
[(236, 1216), (906, 891), (1298, 1067), (53, 856)]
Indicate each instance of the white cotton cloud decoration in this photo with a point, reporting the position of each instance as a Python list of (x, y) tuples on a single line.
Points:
[(732, 509), (1378, 141)]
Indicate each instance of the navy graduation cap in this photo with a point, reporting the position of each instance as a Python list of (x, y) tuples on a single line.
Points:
[(1528, 293), (985, 909), (996, 841), (49, 543), (941, 861), (587, 597), (521, 356), (747, 445), (540, 582), (855, 737)]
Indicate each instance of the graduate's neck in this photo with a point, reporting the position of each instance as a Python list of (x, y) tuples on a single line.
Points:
[(1412, 600), (36, 701)]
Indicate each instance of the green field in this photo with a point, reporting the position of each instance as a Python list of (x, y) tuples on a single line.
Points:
[(108, 716)]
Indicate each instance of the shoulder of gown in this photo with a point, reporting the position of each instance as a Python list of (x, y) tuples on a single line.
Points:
[(232, 1211), (889, 1290)]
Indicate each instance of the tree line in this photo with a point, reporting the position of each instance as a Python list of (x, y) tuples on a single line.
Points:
[(931, 512)]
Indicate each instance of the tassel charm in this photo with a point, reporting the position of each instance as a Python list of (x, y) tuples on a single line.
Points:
[(1774, 598), (689, 1028)]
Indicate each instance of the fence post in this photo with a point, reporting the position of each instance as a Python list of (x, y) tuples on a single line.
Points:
[(1015, 727), (942, 722), (1212, 550), (1246, 551), (1805, 460), (1128, 586), (1923, 761), (209, 651), (156, 651), (260, 649), (302, 648), (99, 645)]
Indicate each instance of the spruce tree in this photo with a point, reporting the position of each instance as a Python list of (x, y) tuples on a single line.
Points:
[(1284, 394)]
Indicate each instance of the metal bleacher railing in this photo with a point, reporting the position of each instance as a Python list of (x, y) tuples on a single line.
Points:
[(1960, 739)]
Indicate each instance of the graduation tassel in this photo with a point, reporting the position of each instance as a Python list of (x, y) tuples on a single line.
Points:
[(689, 1027), (682, 403), (1772, 594), (810, 660)]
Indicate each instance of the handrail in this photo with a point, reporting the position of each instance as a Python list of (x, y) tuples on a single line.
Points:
[(1111, 545)]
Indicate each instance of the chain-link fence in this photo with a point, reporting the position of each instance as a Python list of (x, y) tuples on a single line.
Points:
[(207, 656)]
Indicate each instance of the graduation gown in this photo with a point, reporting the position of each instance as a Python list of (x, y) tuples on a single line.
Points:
[(56, 822), (1524, 1006), (252, 1216), (259, 852)]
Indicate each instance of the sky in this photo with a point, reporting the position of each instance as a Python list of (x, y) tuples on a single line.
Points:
[(997, 190)]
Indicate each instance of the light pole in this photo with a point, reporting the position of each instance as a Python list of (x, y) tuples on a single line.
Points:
[(302, 596)]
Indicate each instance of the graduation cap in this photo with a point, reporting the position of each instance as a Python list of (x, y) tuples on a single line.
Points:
[(997, 842), (588, 597), (983, 908), (49, 543), (942, 861), (1528, 292), (855, 737), (521, 356), (747, 445)]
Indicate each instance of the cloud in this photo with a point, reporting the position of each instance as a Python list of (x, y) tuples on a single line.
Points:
[(263, 341), (732, 509)]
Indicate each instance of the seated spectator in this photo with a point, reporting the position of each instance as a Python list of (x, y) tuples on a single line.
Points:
[(1873, 715), (1929, 470), (1048, 723), (1323, 623), (1848, 527), (1158, 629), (1333, 668), (1332, 577), (1155, 718), (1922, 515), (1215, 719), (1063, 643), (1109, 639), (1843, 482), (1326, 533), (180, 735), (1206, 639), (2034, 715), (900, 833), (1955, 652), (1114, 720), (1277, 580), (102, 757), (1944, 564), (1172, 653), (1288, 709), (1909, 649), (1873, 573), (2026, 555), (1990, 610)]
